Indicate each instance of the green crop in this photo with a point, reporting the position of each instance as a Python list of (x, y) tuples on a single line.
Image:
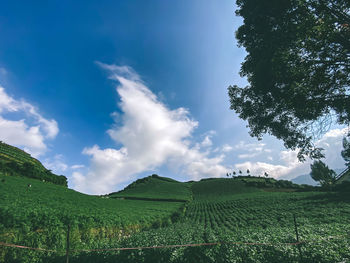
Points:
[(220, 210)]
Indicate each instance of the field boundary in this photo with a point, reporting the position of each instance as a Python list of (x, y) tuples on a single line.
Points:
[(155, 247), (174, 246)]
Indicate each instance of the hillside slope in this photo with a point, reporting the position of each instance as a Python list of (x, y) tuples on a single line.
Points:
[(156, 188), (218, 210), (220, 188), (14, 161)]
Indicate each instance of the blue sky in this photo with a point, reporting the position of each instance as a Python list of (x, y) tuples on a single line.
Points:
[(62, 98)]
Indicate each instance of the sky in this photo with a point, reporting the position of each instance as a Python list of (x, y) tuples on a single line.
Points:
[(106, 92)]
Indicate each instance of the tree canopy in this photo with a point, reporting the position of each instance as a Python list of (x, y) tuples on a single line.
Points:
[(346, 151), (320, 172), (297, 66)]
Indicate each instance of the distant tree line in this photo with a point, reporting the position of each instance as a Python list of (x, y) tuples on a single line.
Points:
[(28, 169)]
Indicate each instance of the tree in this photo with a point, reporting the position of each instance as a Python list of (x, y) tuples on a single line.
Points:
[(266, 174), (321, 173), (240, 172), (298, 68), (248, 172), (346, 152)]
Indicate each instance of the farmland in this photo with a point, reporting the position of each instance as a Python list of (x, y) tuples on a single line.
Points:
[(38, 215), (14, 161), (217, 210)]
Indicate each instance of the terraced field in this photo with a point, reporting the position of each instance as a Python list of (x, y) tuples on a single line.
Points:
[(12, 153), (264, 220)]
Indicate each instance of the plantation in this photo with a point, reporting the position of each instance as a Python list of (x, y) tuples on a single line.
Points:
[(38, 215), (13, 153), (219, 210), (15, 162)]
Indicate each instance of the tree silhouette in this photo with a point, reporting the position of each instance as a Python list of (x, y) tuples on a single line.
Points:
[(345, 153), (321, 173), (298, 69)]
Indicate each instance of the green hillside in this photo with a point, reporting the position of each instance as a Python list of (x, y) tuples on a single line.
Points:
[(216, 210), (11, 153), (220, 188), (37, 216), (14, 161), (156, 188)]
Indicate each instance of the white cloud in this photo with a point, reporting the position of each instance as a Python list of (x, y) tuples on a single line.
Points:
[(247, 155), (57, 164), (151, 135), (290, 167), (77, 166), (251, 149), (227, 148), (20, 134), (207, 141), (29, 132)]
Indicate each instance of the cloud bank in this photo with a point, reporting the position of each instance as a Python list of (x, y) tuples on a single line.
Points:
[(30, 132), (150, 135), (289, 167)]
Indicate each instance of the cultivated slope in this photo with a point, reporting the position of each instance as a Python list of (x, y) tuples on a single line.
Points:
[(14, 161)]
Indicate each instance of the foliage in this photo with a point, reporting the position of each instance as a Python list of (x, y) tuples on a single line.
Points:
[(222, 209), (320, 172), (346, 151), (38, 215), (14, 161), (297, 68)]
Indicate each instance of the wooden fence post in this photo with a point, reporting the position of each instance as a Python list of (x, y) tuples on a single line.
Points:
[(67, 246), (297, 237)]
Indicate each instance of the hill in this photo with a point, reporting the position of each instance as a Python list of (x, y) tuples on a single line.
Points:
[(37, 216), (155, 187), (306, 178), (253, 217), (220, 188), (14, 161)]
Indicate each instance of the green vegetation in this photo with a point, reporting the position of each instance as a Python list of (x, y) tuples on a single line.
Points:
[(320, 172), (345, 153), (219, 188), (15, 162), (156, 188), (297, 66), (10, 152), (37, 216), (217, 210)]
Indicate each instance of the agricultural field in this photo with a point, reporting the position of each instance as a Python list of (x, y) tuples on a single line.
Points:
[(16, 162), (223, 210), (11, 153), (38, 216)]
